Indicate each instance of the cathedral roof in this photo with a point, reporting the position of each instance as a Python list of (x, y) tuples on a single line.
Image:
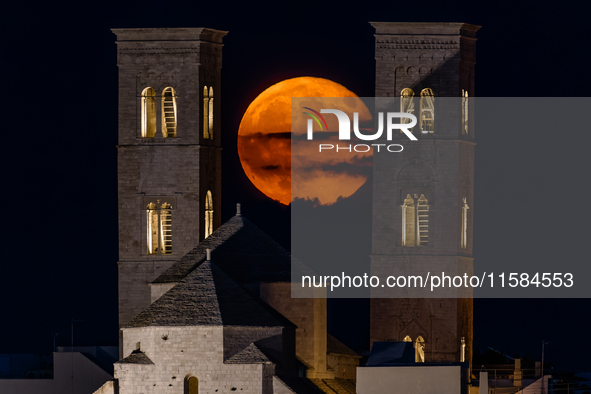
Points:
[(241, 249), (249, 355), (136, 357), (335, 346), (207, 296)]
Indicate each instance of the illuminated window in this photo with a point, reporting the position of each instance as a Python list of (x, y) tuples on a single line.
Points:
[(464, 111), (422, 221), (420, 350), (208, 113), (166, 228), (463, 350), (415, 221), (407, 339), (159, 229), (427, 111), (169, 113), (408, 221), (152, 213), (407, 104), (210, 126), (208, 214), (464, 235), (192, 385), (148, 106)]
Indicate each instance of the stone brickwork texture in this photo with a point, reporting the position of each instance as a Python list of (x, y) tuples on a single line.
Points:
[(181, 352), (439, 56), (177, 170)]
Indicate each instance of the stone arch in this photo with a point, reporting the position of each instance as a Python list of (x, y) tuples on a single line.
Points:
[(414, 162), (148, 112), (208, 214), (191, 384), (169, 112), (448, 56), (419, 349), (415, 173), (413, 330), (425, 56)]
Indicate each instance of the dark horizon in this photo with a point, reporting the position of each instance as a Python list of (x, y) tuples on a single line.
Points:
[(59, 63)]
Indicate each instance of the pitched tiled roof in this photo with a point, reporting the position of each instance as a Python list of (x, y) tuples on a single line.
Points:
[(333, 345), (136, 357), (206, 296), (249, 355), (241, 249), (299, 385)]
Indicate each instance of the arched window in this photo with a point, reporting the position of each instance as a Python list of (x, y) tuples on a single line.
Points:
[(407, 104), (210, 125), (208, 214), (148, 106), (464, 235), (159, 228), (427, 111), (464, 112), (408, 221), (208, 113), (169, 113), (420, 350), (422, 221), (166, 229), (407, 339), (152, 214), (415, 221), (191, 385)]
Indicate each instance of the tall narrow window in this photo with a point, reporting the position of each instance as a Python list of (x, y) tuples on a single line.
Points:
[(407, 104), (464, 236), (427, 111), (148, 107), (415, 221), (166, 229), (464, 112), (463, 350), (422, 221), (192, 385), (159, 228), (208, 214), (420, 350), (207, 113), (152, 214), (169, 113), (210, 125), (408, 221)]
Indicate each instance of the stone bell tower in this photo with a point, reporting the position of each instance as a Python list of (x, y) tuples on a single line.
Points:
[(424, 196), (169, 153)]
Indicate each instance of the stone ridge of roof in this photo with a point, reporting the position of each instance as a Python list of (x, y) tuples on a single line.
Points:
[(217, 243), (249, 355), (136, 357), (206, 297)]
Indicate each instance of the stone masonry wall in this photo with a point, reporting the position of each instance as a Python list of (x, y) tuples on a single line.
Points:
[(176, 170), (180, 352), (439, 56)]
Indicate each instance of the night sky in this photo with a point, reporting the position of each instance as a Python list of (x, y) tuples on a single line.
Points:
[(59, 78)]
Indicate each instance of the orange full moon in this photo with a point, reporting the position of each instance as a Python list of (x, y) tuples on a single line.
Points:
[(265, 145)]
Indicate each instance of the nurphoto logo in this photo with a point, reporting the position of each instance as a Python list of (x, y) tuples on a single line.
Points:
[(345, 129)]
